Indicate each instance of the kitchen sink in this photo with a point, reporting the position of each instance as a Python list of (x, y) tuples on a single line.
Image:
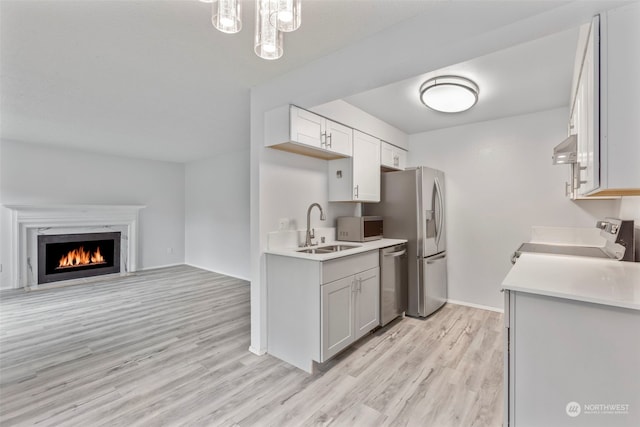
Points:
[(327, 249), (337, 248)]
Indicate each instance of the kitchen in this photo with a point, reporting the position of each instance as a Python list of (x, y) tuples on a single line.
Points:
[(500, 182), (499, 178)]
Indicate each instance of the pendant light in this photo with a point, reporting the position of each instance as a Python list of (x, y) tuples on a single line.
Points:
[(287, 15), (225, 16), (273, 17), (449, 94), (268, 39)]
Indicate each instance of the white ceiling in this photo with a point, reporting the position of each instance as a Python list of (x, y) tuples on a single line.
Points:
[(530, 77), (153, 79)]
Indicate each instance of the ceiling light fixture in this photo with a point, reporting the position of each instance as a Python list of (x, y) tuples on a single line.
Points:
[(273, 17), (449, 94), (225, 16), (268, 40), (287, 16)]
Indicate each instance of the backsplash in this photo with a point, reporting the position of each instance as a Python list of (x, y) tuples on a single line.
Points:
[(283, 239)]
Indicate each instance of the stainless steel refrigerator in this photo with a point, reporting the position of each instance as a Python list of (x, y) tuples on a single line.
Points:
[(412, 206)]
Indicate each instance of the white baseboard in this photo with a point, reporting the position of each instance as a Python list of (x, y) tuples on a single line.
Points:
[(156, 267), (256, 351), (217, 271), (470, 304)]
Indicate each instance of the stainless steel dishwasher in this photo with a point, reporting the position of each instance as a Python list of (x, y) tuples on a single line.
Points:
[(393, 282)]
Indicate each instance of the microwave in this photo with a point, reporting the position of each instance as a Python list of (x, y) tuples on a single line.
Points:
[(359, 228)]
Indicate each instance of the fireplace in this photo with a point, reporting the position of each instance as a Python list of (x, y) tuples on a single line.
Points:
[(74, 256)]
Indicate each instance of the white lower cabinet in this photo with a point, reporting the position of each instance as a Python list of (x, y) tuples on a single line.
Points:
[(566, 360), (338, 331), (315, 309), (367, 301), (350, 310)]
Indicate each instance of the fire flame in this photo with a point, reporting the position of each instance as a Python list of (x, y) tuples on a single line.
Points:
[(97, 257), (81, 257)]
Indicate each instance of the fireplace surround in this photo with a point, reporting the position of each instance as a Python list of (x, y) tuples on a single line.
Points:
[(28, 222)]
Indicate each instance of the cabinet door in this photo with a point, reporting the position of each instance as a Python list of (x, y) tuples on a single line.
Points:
[(337, 316), (367, 301), (621, 98), (366, 167), (400, 159), (306, 127), (339, 138), (392, 157), (386, 154), (589, 123)]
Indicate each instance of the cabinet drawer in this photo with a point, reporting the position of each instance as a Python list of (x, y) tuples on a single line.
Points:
[(346, 266)]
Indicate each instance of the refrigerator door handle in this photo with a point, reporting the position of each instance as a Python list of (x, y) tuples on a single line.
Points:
[(432, 260), (441, 212)]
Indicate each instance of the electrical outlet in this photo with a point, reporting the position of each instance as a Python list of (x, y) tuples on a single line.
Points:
[(283, 224), (169, 250)]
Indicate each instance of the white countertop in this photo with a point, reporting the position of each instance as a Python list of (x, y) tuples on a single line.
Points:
[(600, 281), (362, 247)]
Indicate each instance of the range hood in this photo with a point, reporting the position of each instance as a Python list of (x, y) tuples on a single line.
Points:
[(566, 152)]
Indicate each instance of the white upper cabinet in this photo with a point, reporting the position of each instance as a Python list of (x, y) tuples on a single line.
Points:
[(392, 157), (293, 129), (606, 107), (357, 179), (338, 138), (585, 122), (307, 128), (620, 102)]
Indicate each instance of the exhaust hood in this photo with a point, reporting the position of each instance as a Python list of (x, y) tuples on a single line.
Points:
[(566, 152)]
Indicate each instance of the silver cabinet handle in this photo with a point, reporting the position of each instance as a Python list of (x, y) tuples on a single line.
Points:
[(356, 191), (577, 175), (396, 254), (360, 284), (329, 139)]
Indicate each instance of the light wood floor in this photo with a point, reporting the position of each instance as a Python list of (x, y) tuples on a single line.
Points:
[(169, 347)]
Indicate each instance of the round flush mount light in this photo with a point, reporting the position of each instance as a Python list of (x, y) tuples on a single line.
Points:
[(449, 94)]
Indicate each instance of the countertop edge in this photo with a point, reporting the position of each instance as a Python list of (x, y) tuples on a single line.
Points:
[(573, 297), (564, 277), (364, 247)]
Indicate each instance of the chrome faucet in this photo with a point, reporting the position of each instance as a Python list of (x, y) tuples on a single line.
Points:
[(311, 232)]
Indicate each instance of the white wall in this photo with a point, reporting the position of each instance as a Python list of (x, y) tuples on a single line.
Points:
[(630, 209), (35, 174), (217, 214), (500, 182)]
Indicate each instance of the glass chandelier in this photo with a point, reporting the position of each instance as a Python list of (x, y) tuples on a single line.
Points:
[(268, 39), (273, 18), (287, 15), (225, 16)]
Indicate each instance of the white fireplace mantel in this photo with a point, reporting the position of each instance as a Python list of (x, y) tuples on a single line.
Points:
[(30, 221)]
